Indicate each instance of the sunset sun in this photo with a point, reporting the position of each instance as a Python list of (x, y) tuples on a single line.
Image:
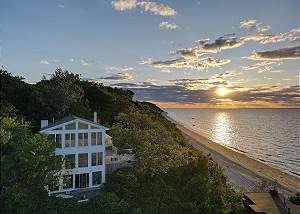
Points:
[(222, 91)]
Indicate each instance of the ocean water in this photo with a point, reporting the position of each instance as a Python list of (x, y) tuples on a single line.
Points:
[(268, 135)]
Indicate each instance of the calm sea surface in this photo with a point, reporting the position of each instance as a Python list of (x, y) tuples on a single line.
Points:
[(268, 135)]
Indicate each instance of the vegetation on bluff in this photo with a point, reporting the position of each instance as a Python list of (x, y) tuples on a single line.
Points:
[(169, 176)]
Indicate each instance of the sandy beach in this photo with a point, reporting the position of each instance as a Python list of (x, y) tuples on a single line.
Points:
[(244, 173)]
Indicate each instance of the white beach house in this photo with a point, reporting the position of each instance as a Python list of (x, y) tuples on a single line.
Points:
[(81, 144)]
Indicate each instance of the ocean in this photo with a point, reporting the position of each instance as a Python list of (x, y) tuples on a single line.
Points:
[(268, 135)]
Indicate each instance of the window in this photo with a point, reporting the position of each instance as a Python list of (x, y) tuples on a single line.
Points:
[(59, 128), (70, 126), (94, 127), (56, 138), (97, 159), (83, 126), (83, 139), (70, 161), (97, 178), (96, 138), (70, 140), (83, 160), (68, 181), (82, 180)]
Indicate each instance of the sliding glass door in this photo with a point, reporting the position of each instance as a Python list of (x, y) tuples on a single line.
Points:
[(82, 180)]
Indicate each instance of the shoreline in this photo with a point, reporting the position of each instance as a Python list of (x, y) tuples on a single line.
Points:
[(243, 173)]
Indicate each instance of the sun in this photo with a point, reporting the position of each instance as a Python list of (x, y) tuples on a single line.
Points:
[(222, 91)]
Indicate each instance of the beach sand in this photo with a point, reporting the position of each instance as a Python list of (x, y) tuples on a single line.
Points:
[(243, 173)]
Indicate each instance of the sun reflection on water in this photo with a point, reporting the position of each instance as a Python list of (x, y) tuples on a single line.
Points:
[(222, 128)]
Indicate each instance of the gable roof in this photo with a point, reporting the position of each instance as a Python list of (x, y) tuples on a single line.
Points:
[(69, 119)]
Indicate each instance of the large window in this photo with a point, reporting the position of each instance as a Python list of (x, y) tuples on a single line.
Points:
[(96, 158), (96, 138), (83, 160), (70, 161), (68, 181), (97, 178), (56, 138), (82, 180), (70, 140), (83, 139)]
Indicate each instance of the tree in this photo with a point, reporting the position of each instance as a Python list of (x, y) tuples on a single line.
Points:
[(59, 93), (156, 159), (133, 129), (27, 165)]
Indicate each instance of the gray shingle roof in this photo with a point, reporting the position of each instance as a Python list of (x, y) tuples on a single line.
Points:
[(68, 119)]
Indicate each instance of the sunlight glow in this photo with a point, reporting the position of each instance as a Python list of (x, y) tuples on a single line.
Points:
[(222, 128), (222, 91)]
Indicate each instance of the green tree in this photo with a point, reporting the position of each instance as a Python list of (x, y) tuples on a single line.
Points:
[(133, 129), (27, 165), (59, 93)]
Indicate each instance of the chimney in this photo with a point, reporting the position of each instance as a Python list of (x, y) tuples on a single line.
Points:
[(44, 123), (95, 116)]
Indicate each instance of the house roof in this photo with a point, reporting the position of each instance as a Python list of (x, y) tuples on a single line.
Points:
[(69, 119), (263, 202)]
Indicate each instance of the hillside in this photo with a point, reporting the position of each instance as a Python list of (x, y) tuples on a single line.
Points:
[(169, 176)]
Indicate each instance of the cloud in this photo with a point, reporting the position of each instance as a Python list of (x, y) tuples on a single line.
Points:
[(184, 63), (187, 53), (146, 6), (115, 77), (191, 57), (252, 24), (260, 67), (124, 4), (44, 62), (211, 62), (220, 79), (145, 61), (168, 26), (71, 60), (279, 54), (85, 62), (61, 6), (157, 9), (296, 30), (175, 63), (118, 69), (248, 24), (225, 42), (267, 38), (184, 92)]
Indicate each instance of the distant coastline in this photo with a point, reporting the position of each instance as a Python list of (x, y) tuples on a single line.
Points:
[(243, 172)]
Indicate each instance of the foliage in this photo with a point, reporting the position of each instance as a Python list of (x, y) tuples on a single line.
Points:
[(27, 164), (134, 129), (155, 159), (59, 92)]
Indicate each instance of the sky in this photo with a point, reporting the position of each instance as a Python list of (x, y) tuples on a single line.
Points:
[(174, 53)]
